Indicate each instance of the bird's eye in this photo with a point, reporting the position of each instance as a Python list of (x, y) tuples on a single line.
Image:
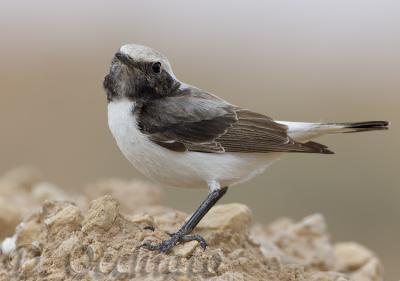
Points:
[(156, 67)]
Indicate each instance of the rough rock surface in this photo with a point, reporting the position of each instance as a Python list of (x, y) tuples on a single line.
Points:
[(21, 191), (63, 240), (25, 188)]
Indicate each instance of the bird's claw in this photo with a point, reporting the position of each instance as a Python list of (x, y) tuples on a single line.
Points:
[(176, 238)]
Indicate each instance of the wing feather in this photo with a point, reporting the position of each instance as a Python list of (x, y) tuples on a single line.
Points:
[(197, 121)]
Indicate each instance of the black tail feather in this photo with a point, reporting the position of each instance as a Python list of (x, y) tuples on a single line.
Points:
[(366, 126), (351, 127)]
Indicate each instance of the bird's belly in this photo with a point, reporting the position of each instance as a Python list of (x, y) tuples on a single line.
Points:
[(180, 169)]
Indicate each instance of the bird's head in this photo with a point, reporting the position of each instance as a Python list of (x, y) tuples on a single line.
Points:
[(139, 72)]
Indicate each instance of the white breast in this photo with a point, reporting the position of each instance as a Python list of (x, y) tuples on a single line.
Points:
[(188, 169)]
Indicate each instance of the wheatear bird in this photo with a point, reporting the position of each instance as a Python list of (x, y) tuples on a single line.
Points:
[(182, 136)]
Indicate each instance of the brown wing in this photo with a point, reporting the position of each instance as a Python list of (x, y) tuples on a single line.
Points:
[(254, 132), (200, 122)]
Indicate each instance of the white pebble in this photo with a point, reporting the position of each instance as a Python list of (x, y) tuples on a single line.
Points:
[(8, 245)]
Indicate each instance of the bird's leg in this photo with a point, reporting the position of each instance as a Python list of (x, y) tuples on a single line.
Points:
[(183, 234)]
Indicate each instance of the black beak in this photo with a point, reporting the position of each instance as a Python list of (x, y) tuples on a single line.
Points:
[(125, 59)]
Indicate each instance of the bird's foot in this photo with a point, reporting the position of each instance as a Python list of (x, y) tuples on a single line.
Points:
[(175, 239)]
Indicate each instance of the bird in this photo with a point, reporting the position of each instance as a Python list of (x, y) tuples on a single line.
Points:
[(181, 136)]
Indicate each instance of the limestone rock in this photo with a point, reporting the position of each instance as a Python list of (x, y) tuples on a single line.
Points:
[(131, 195), (22, 191), (236, 217), (9, 217), (306, 242), (101, 215), (72, 239), (351, 256), (359, 262)]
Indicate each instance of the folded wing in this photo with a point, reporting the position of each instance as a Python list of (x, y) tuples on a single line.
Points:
[(200, 122)]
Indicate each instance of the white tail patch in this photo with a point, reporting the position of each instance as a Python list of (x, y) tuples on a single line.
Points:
[(303, 131)]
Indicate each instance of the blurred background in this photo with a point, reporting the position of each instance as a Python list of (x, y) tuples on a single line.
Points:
[(293, 60)]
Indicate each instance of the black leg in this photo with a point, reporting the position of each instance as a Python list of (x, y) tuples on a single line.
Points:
[(182, 235)]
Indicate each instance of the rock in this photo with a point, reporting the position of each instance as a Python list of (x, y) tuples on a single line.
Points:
[(259, 235), (131, 195), (186, 249), (64, 221), (327, 276), (43, 191), (8, 245), (359, 262), (74, 239), (351, 256), (14, 185), (29, 231), (235, 217), (372, 270), (24, 188), (101, 215), (108, 244), (306, 242), (9, 217)]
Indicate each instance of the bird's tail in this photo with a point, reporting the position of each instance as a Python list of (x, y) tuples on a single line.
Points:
[(301, 131), (353, 127)]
